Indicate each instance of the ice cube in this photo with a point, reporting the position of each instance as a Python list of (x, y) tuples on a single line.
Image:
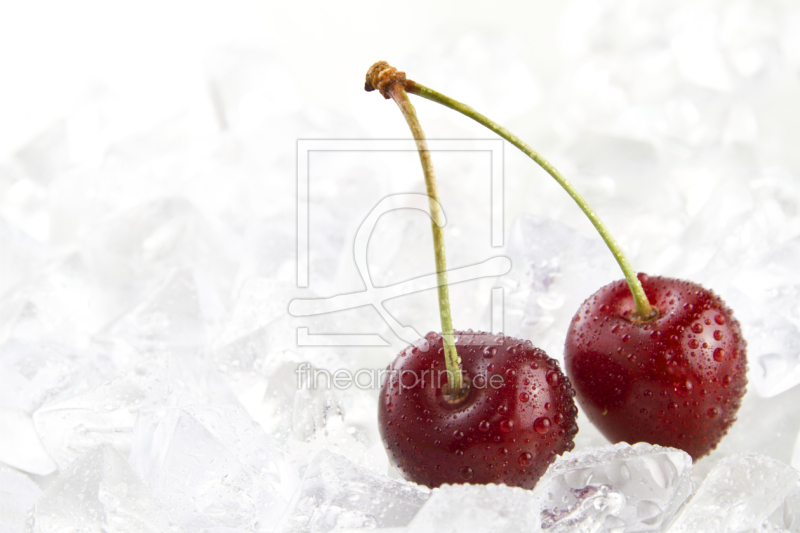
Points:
[(18, 493), (108, 412), (744, 492), (64, 302), (299, 405), (595, 508), (259, 328), (260, 302), (21, 448), (269, 397), (269, 248), (169, 319), (765, 293), (336, 493), (99, 492), (341, 421), (638, 488), (213, 467), (34, 372), (618, 171), (23, 255), (662, 71), (764, 425), (554, 270), (468, 508), (75, 140), (258, 353), (139, 246)]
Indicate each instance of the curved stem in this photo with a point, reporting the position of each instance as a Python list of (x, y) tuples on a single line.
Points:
[(398, 94), (643, 307)]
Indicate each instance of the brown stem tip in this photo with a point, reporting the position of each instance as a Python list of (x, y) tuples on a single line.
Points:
[(381, 76)]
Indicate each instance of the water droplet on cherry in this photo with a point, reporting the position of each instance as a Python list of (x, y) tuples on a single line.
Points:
[(541, 425)]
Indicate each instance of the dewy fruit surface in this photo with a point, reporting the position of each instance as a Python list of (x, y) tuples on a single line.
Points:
[(676, 380), (518, 415)]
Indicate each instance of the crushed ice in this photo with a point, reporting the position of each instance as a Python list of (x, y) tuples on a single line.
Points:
[(151, 377)]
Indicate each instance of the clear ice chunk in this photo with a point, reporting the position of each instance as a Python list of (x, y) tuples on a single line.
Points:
[(213, 467), (554, 269), (107, 413), (22, 255), (744, 492), (34, 372), (340, 421), (99, 492), (637, 488), (256, 325), (170, 319), (596, 507), (269, 398), (296, 402), (21, 447), (765, 292), (767, 426), (137, 247), (473, 508), (298, 405), (336, 494), (63, 302), (18, 493)]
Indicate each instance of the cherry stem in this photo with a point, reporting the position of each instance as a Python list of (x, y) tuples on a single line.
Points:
[(643, 308), (392, 87)]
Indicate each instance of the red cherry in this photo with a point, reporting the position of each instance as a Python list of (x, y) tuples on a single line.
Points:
[(516, 416), (676, 380)]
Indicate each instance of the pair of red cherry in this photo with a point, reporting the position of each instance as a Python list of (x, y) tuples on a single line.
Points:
[(675, 380), (652, 359)]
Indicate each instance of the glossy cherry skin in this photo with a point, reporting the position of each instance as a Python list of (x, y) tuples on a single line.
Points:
[(676, 380), (518, 415)]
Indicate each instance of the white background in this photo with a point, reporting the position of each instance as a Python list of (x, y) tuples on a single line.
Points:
[(152, 52)]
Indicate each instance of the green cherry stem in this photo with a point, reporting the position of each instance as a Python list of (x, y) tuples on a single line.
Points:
[(643, 308), (390, 83)]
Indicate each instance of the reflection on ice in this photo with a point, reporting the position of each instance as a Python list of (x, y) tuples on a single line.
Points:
[(744, 492), (626, 488)]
